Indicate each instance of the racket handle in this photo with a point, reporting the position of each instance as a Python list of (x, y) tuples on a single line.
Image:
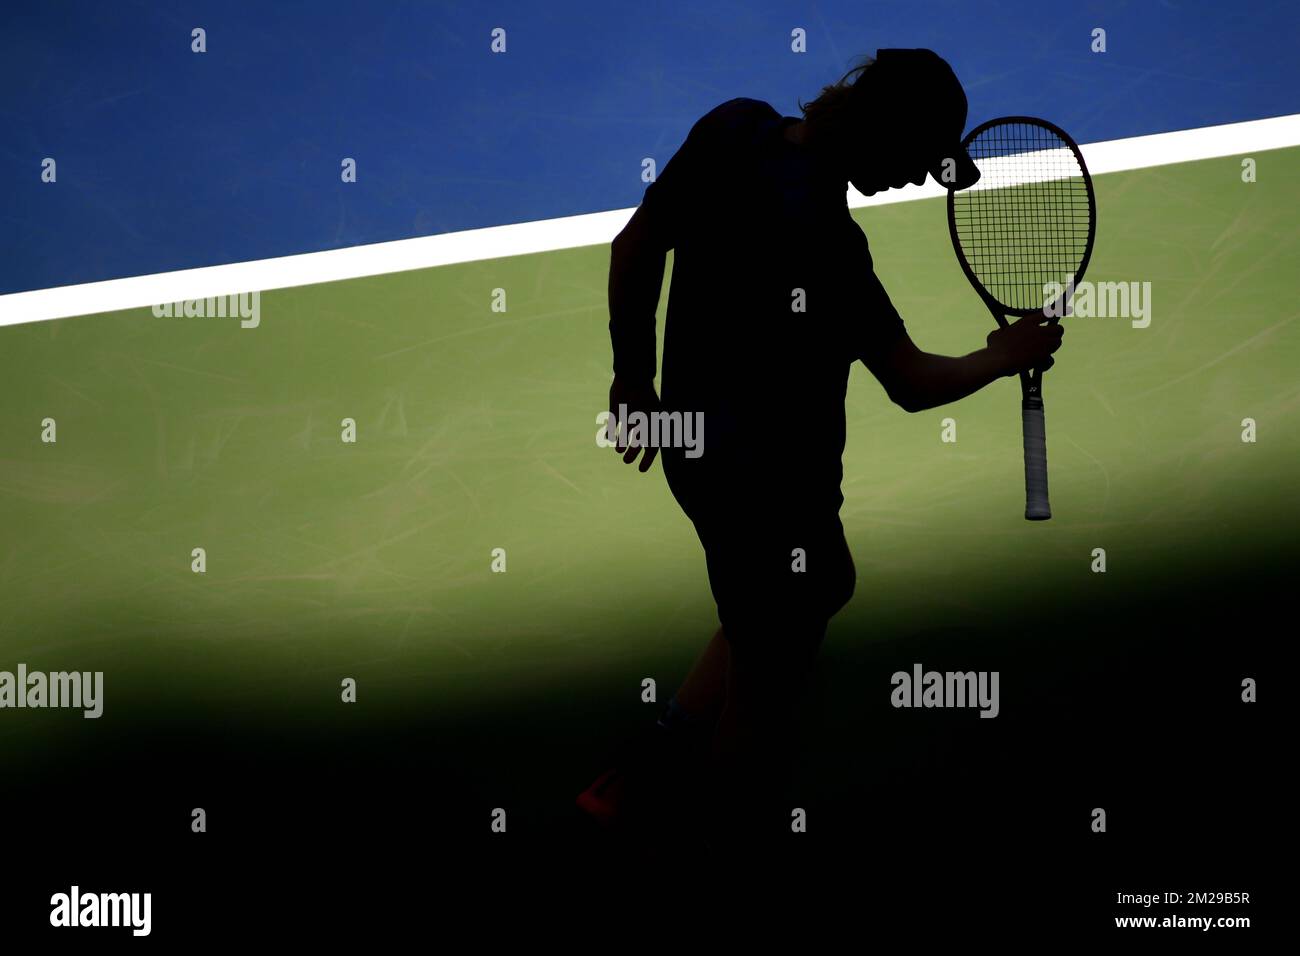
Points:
[(1036, 506)]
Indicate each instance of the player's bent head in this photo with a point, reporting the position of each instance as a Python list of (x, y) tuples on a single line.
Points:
[(894, 118)]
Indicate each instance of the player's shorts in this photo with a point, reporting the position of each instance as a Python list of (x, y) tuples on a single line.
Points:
[(779, 566)]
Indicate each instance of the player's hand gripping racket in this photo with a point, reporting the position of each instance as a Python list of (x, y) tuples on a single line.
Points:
[(1023, 235)]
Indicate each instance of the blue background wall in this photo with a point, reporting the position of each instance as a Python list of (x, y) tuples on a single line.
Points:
[(169, 160)]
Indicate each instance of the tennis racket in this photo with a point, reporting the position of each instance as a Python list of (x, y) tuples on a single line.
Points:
[(1021, 232)]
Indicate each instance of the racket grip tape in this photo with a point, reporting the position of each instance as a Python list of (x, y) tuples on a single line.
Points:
[(1036, 506)]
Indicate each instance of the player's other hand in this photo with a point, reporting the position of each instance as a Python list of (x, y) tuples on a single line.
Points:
[(637, 397), (1027, 343)]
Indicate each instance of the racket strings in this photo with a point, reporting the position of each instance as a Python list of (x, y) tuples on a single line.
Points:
[(1025, 226)]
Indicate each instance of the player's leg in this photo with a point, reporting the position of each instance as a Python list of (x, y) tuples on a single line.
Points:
[(659, 771), (703, 693), (778, 609), (773, 650), (663, 766), (755, 743)]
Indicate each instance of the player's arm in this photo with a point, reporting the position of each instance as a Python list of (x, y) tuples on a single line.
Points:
[(636, 274), (917, 380), (638, 254)]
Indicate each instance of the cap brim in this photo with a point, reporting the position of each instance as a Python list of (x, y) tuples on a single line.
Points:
[(961, 174)]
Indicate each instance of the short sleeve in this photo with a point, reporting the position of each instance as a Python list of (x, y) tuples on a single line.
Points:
[(677, 192), (874, 321), (668, 200)]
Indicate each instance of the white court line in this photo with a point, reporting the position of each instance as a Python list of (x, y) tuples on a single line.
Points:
[(547, 235), (1139, 152)]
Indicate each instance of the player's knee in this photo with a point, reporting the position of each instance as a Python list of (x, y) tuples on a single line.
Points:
[(840, 585), (786, 652), (762, 672), (848, 585)]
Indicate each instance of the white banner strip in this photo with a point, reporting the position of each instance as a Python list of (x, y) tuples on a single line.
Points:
[(552, 234)]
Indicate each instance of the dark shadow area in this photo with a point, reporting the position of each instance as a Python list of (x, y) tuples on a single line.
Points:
[(1134, 709)]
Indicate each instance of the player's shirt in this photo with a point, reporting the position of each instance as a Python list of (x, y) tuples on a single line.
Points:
[(773, 297)]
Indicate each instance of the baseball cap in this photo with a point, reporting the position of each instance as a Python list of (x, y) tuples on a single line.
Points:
[(928, 97)]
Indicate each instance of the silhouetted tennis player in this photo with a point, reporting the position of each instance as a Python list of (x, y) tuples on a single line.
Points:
[(773, 297)]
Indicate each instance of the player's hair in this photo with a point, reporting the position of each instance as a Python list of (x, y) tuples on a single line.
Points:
[(827, 110)]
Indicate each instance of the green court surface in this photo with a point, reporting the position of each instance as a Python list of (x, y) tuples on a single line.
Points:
[(476, 430)]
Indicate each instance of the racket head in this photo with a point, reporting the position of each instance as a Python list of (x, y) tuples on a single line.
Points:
[(1030, 220)]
